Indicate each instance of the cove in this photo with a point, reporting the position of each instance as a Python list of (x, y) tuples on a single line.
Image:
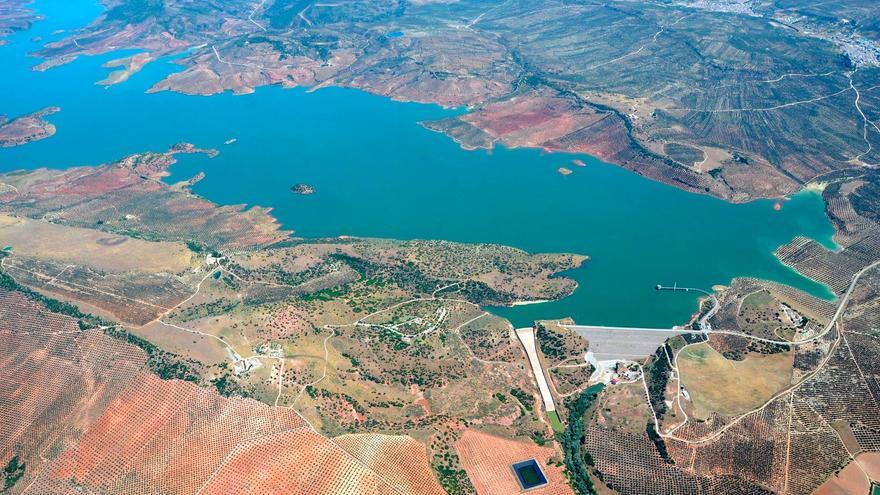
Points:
[(378, 173)]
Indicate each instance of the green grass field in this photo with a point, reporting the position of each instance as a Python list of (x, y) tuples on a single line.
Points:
[(557, 425)]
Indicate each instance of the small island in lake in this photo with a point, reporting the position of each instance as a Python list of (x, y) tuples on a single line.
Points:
[(303, 189)]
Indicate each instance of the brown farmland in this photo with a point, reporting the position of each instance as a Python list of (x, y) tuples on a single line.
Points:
[(97, 419)]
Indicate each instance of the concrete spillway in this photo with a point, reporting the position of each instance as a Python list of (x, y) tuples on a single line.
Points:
[(622, 343), (527, 337)]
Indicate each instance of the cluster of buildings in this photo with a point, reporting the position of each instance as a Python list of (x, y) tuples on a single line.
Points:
[(861, 51)]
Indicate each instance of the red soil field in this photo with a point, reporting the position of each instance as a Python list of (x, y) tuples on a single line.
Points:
[(854, 478), (86, 415), (399, 459), (488, 461)]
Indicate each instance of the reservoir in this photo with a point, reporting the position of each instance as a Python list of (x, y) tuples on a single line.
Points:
[(378, 173)]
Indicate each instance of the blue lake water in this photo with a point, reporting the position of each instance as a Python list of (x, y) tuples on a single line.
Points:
[(378, 173)]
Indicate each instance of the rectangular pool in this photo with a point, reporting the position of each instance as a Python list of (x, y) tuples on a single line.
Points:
[(529, 474)]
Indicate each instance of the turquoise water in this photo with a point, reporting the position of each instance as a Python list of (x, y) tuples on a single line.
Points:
[(378, 173)]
